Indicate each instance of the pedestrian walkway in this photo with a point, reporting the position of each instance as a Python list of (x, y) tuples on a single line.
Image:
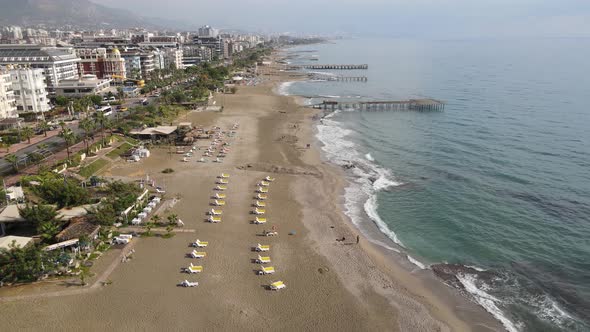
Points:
[(34, 140)]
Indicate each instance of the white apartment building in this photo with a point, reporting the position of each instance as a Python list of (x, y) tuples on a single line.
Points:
[(7, 105), (57, 63), (87, 85), (30, 90), (173, 57)]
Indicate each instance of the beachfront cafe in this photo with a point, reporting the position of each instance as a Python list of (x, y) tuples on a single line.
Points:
[(158, 133)]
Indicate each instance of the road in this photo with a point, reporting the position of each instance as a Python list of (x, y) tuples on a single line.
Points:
[(56, 143)]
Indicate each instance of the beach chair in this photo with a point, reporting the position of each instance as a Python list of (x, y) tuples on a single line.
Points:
[(214, 220), (222, 181), (261, 197), (194, 268), (259, 204), (220, 196), (219, 203), (218, 160), (264, 184), (221, 187), (271, 233), (277, 285), (185, 160), (263, 260), (261, 247), (187, 283), (202, 160), (262, 190), (269, 179), (266, 270), (224, 176), (260, 221), (259, 211), (200, 244), (198, 254), (215, 212)]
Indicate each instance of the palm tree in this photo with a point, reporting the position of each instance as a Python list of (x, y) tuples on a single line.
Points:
[(44, 126), (101, 120), (48, 230), (120, 94), (84, 273), (88, 126), (172, 219), (13, 160), (28, 133), (156, 219), (69, 137)]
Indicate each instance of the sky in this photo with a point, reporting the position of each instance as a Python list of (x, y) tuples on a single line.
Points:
[(400, 18)]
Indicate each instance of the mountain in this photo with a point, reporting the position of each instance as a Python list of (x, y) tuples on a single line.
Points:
[(77, 13)]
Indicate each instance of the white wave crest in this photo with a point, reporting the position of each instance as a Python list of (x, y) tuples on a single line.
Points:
[(487, 301), (416, 262), (369, 157), (283, 88)]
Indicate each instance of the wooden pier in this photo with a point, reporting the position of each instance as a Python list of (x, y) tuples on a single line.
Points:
[(411, 104), (339, 78), (327, 67)]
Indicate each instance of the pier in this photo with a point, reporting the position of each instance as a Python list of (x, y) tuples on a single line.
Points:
[(325, 67), (385, 105), (339, 78)]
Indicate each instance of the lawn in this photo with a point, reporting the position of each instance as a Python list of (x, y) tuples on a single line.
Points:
[(119, 150), (92, 168)]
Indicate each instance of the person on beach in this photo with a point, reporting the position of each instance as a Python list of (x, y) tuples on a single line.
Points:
[(358, 238)]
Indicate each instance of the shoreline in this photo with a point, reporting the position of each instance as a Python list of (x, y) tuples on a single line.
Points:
[(396, 263), (330, 285)]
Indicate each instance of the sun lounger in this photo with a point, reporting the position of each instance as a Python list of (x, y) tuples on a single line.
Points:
[(185, 160), (202, 160), (224, 176), (222, 181), (261, 247), (187, 283), (266, 270), (260, 204), (263, 260), (200, 244), (277, 285), (269, 179), (220, 196), (264, 183), (214, 212), (221, 187), (214, 220), (259, 221), (194, 268), (198, 254), (262, 190), (261, 197), (259, 211), (271, 233), (219, 203)]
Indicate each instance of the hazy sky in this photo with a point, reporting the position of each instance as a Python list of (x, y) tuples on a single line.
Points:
[(422, 18)]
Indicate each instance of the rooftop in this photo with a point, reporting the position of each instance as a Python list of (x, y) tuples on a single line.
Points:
[(19, 241), (78, 227), (32, 53), (159, 130)]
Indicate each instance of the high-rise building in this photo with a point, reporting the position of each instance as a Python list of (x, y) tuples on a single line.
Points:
[(216, 44), (101, 62), (7, 103), (30, 90), (207, 31), (173, 58), (57, 63)]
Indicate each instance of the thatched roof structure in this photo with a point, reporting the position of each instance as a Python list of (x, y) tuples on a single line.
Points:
[(78, 226)]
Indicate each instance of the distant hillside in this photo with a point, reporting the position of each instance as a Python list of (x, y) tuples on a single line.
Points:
[(78, 13)]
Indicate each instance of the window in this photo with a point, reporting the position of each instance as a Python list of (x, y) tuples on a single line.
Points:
[(30, 108), (19, 108)]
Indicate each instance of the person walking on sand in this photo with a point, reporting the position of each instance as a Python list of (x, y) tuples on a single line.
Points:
[(358, 238)]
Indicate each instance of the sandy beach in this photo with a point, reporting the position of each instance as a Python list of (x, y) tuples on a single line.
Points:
[(331, 285)]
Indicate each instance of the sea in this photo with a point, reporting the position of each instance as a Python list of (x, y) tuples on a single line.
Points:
[(493, 192)]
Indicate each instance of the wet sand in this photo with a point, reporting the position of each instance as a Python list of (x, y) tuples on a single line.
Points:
[(331, 285)]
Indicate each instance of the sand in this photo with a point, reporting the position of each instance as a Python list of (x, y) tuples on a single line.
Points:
[(331, 285)]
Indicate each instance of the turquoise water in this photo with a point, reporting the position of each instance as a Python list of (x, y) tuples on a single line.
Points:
[(500, 180)]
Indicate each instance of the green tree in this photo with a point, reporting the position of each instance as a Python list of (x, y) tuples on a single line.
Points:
[(43, 126), (88, 126), (101, 121), (84, 275), (120, 94), (97, 100), (68, 136), (27, 133), (38, 214), (156, 219), (148, 228), (13, 160), (61, 101), (18, 264), (48, 230), (62, 191)]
